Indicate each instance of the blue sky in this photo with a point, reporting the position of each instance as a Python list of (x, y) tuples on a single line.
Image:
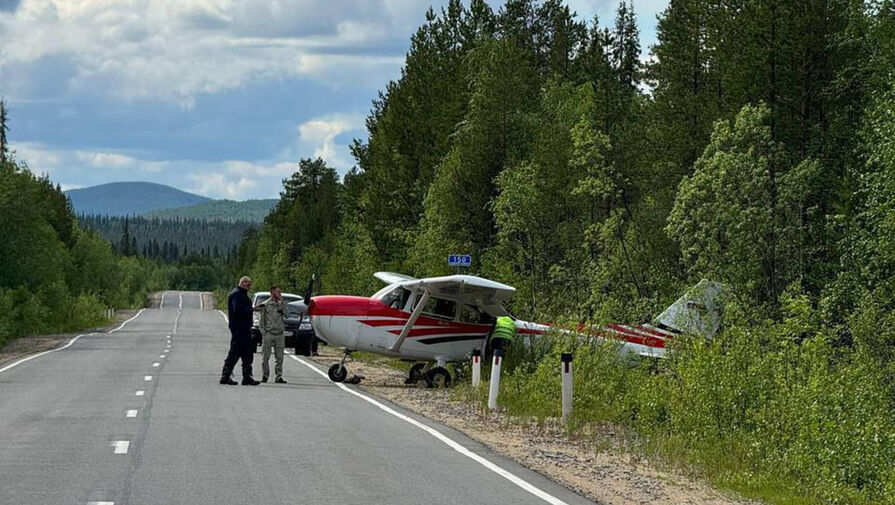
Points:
[(217, 97)]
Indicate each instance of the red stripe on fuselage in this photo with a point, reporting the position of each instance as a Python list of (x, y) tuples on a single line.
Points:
[(421, 332), (634, 337), (384, 322)]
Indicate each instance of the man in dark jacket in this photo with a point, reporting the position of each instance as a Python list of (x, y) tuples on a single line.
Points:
[(239, 314)]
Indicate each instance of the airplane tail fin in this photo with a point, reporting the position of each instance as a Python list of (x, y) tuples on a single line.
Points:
[(697, 312)]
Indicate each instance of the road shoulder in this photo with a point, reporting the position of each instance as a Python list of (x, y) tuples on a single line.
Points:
[(595, 467), (23, 347)]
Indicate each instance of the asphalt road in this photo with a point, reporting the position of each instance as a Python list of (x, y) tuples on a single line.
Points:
[(74, 429)]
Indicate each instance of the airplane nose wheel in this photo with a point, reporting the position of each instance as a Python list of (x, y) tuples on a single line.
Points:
[(338, 373)]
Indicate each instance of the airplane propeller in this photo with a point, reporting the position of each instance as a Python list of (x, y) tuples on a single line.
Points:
[(309, 290)]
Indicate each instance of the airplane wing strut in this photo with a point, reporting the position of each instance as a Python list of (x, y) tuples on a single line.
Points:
[(410, 322)]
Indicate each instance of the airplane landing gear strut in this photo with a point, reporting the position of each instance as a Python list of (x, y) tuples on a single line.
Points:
[(338, 372)]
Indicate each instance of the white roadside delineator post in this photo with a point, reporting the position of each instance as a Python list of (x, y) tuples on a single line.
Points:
[(495, 379), (476, 368), (566, 385)]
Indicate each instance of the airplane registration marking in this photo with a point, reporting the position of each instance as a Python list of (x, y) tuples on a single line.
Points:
[(518, 481)]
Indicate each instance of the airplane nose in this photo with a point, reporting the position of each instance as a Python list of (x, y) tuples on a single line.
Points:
[(312, 307)]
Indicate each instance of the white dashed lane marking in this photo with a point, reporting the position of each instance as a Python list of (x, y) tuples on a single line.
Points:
[(121, 446), (140, 393), (155, 364), (131, 413), (147, 378)]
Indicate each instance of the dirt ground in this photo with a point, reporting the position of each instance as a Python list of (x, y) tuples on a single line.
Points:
[(21, 347), (596, 467)]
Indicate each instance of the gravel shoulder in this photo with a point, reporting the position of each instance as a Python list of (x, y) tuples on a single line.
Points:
[(596, 467)]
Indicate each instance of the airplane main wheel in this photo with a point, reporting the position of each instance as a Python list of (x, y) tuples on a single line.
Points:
[(338, 373), (438, 378), (416, 373)]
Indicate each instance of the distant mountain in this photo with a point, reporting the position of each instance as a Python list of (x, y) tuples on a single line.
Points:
[(127, 198), (220, 210)]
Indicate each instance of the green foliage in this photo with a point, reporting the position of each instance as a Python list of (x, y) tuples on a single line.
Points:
[(170, 240), (252, 211), (775, 411), (739, 217)]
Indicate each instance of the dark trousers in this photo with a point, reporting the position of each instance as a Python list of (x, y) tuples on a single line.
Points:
[(241, 348)]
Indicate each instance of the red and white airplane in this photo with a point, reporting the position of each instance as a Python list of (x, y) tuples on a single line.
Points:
[(439, 320)]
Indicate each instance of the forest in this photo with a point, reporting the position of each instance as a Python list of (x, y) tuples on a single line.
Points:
[(753, 145), (169, 239)]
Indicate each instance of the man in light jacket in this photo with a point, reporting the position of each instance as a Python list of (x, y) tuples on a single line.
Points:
[(273, 326)]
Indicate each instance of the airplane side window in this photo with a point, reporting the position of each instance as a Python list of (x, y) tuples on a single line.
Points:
[(440, 308), (470, 314)]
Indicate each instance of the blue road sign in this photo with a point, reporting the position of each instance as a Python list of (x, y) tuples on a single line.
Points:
[(459, 260)]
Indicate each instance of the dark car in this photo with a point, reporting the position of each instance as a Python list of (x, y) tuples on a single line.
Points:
[(299, 333)]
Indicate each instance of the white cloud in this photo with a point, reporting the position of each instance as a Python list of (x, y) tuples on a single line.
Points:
[(106, 160), (178, 49), (320, 135), (222, 186), (231, 179)]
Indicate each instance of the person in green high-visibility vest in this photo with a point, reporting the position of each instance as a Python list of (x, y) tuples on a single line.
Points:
[(503, 336)]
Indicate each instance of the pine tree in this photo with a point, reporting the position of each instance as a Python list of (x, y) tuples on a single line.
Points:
[(124, 245), (4, 147), (626, 45)]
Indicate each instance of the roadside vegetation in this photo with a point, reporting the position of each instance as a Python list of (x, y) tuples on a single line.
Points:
[(56, 277), (755, 148)]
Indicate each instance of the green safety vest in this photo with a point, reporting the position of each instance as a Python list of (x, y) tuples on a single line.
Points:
[(505, 328)]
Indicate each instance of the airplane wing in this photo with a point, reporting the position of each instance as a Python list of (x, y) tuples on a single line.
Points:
[(465, 287), (391, 277)]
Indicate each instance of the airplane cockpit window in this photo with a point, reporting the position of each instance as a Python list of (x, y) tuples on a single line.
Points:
[(440, 308), (397, 298), (470, 314)]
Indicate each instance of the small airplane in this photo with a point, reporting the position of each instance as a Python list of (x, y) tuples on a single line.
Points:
[(438, 320)]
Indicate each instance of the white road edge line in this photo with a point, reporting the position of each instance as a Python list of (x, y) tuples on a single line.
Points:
[(121, 446), (228, 321), (70, 342), (180, 301), (444, 438)]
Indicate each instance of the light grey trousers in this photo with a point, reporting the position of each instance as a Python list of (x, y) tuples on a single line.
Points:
[(278, 342)]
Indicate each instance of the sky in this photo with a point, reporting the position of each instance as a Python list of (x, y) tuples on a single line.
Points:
[(217, 97)]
